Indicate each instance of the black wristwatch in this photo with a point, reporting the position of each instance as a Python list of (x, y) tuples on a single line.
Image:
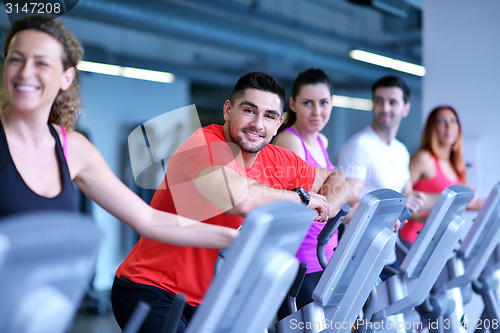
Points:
[(303, 194)]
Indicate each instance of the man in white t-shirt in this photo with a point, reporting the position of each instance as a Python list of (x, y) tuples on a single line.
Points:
[(373, 158)]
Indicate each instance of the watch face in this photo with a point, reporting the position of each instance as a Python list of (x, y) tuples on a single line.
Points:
[(307, 197), (303, 194)]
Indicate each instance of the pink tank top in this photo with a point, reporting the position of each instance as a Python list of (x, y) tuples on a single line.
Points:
[(437, 184), (307, 250), (65, 142)]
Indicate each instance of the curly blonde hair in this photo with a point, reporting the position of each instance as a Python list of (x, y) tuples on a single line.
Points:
[(68, 104)]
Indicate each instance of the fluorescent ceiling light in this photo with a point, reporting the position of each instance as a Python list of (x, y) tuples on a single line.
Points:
[(134, 73), (362, 104), (143, 74), (387, 62)]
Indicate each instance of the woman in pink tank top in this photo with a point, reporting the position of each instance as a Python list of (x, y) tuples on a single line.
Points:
[(438, 164), (310, 109)]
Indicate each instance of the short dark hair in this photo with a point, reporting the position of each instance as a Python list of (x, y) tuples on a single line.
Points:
[(393, 81), (260, 81)]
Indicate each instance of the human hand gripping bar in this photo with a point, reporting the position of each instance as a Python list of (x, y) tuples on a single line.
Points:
[(405, 214), (400, 247), (326, 234)]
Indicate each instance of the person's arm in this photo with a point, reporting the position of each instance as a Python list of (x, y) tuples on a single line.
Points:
[(356, 186), (351, 159), (237, 195), (291, 142), (352, 162), (421, 167), (475, 203), (334, 187), (331, 180), (324, 139), (95, 179), (417, 200)]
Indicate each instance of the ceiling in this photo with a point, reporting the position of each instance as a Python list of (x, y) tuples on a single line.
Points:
[(214, 42), (280, 36)]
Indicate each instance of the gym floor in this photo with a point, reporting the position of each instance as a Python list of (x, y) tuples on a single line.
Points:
[(91, 322)]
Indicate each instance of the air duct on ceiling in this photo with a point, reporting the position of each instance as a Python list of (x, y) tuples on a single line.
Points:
[(166, 19), (395, 7)]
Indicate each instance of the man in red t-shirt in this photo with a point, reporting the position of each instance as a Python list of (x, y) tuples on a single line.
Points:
[(217, 176)]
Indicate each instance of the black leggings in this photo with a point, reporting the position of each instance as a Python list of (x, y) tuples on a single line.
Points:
[(305, 294), (125, 296)]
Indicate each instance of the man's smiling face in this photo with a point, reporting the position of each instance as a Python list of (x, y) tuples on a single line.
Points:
[(253, 119)]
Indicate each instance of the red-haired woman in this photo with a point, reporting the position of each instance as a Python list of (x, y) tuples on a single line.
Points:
[(438, 164)]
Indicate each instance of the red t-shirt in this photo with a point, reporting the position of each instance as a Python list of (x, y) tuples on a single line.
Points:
[(189, 270)]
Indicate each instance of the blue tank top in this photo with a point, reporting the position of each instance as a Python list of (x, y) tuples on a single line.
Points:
[(16, 197)]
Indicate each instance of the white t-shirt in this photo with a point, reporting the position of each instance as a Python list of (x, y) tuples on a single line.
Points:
[(365, 156)]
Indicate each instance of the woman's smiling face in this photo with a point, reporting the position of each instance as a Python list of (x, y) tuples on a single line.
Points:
[(313, 107), (34, 72)]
